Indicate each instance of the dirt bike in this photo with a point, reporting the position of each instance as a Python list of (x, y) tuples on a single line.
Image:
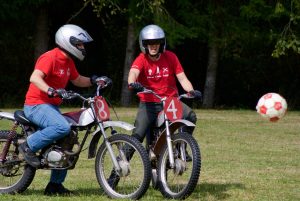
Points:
[(174, 173), (93, 120)]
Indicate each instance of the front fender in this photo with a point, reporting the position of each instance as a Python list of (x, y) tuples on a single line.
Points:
[(97, 134), (161, 141), (120, 124), (94, 143)]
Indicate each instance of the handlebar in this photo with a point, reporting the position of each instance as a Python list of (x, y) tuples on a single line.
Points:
[(185, 95), (73, 95)]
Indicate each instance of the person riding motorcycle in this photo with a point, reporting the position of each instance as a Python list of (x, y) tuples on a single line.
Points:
[(157, 69), (50, 76)]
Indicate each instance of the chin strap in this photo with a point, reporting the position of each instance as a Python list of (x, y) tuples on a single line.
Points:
[(155, 57)]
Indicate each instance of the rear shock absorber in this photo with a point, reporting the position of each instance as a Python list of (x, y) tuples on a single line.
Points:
[(12, 134)]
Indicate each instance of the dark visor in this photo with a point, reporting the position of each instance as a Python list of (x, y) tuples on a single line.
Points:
[(153, 42)]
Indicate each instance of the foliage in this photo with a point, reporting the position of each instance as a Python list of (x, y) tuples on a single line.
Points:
[(246, 31), (289, 39), (142, 13)]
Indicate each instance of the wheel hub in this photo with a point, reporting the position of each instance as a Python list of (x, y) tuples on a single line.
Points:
[(125, 168), (180, 166)]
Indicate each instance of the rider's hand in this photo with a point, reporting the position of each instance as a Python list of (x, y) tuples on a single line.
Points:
[(102, 81), (62, 93), (51, 92), (196, 94), (136, 86)]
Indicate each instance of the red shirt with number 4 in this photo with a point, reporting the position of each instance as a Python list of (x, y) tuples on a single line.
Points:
[(159, 76), (58, 69)]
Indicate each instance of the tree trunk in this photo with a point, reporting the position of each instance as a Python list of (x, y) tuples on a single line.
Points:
[(42, 35), (126, 95), (211, 76)]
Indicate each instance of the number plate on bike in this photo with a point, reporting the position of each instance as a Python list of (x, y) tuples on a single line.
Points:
[(102, 109), (173, 108)]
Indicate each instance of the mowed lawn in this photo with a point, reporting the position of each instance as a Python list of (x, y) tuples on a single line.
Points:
[(244, 157)]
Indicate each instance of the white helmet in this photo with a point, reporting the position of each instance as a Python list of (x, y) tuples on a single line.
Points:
[(69, 36), (152, 33)]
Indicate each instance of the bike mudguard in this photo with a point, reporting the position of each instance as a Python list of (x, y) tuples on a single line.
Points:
[(161, 141), (7, 115), (97, 134), (120, 124)]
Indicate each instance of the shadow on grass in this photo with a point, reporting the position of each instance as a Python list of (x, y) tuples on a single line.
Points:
[(77, 192), (203, 191), (215, 190)]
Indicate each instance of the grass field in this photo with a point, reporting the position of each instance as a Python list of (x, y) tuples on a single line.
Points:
[(243, 158)]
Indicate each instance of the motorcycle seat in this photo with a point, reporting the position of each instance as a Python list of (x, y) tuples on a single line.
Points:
[(20, 117)]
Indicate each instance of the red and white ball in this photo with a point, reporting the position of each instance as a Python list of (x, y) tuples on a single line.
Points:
[(271, 106)]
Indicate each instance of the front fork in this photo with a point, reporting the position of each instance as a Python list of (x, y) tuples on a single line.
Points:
[(169, 143), (108, 145), (12, 134), (110, 150)]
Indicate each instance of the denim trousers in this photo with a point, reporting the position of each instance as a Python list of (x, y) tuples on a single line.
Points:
[(52, 126)]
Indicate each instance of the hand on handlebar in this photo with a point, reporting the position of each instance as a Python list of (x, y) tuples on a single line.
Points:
[(62, 93), (136, 86), (195, 94), (102, 81)]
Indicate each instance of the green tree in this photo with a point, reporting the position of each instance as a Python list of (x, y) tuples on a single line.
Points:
[(136, 13), (288, 39)]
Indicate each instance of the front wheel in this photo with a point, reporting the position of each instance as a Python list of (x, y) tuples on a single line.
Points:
[(133, 178), (180, 181), (15, 174)]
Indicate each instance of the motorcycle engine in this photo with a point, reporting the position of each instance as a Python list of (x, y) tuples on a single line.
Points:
[(55, 158)]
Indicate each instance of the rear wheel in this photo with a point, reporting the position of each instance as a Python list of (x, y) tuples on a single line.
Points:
[(15, 174), (179, 182), (133, 180)]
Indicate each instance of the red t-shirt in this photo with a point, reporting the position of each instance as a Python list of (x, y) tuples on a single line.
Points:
[(58, 69), (159, 76)]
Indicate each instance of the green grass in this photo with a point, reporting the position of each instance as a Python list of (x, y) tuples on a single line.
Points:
[(243, 158)]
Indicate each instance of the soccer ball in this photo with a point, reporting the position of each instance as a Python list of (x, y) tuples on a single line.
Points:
[(271, 106)]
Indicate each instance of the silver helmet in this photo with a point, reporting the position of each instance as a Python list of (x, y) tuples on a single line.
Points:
[(69, 36), (152, 33)]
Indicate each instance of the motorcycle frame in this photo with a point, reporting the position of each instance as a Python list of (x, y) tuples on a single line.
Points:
[(100, 131), (165, 135)]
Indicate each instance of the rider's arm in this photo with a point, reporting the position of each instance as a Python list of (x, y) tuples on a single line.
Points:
[(133, 75), (184, 82), (37, 78), (82, 81)]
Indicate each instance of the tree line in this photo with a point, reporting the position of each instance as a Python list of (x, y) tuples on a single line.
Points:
[(232, 51)]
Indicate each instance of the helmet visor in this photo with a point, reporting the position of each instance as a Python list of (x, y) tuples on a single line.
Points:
[(153, 42)]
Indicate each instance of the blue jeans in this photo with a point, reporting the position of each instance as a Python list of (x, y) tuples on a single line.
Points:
[(53, 126)]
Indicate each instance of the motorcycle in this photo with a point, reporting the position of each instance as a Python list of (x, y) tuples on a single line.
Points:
[(174, 173), (93, 120)]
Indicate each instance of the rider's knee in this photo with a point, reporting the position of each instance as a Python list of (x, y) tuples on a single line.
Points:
[(192, 117), (138, 137), (63, 129)]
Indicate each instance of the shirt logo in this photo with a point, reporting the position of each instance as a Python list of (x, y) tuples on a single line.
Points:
[(61, 72), (165, 72), (158, 72)]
